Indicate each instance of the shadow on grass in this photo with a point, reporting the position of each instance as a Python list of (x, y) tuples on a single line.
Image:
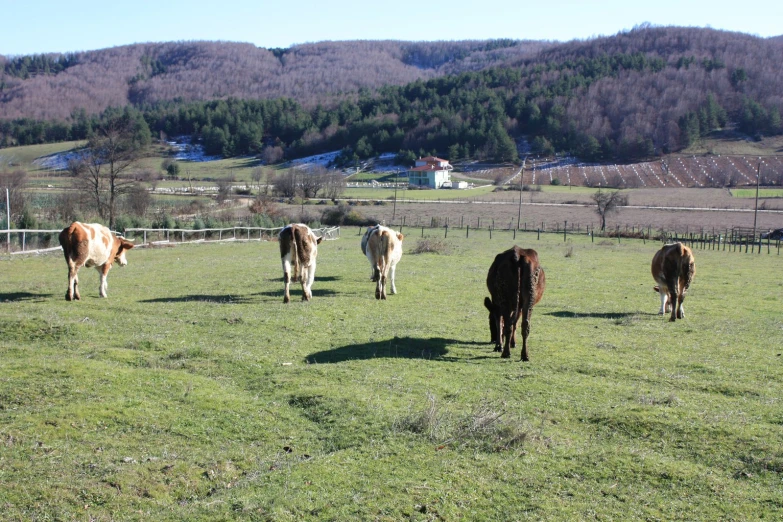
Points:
[(203, 298), (296, 293), (600, 315), (22, 296), (397, 347), (318, 279)]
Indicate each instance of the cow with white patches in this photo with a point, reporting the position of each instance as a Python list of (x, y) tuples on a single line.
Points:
[(91, 244), (673, 268), (298, 250), (383, 248)]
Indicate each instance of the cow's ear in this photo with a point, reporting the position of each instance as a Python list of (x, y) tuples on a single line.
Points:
[(127, 245), (400, 236), (318, 241)]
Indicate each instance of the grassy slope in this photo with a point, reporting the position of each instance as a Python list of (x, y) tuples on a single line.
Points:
[(175, 398)]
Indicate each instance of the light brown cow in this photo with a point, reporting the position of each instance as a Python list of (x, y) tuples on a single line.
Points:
[(673, 268), (298, 250), (383, 248), (516, 282), (91, 244)]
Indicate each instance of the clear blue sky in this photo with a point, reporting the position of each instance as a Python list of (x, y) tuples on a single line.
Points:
[(37, 26)]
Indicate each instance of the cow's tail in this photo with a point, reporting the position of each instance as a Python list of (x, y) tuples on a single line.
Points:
[(386, 250), (689, 268), (295, 243)]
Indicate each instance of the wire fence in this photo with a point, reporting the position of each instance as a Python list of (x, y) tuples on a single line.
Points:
[(33, 241)]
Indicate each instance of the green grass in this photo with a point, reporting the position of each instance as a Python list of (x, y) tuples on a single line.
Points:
[(763, 193), (23, 157), (193, 393)]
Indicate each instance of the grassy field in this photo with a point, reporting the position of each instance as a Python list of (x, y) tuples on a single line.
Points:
[(193, 393), (23, 157), (388, 193), (763, 193)]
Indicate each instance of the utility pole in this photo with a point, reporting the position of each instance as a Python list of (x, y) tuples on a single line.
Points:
[(396, 182), (756, 209), (8, 218), (521, 175)]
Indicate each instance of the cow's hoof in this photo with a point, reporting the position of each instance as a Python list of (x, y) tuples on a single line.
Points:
[(67, 297), (497, 349), (377, 295), (505, 355), (286, 299), (671, 319)]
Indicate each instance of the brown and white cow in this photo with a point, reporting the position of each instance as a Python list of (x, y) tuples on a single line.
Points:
[(383, 248), (91, 244), (673, 268), (298, 250), (516, 282)]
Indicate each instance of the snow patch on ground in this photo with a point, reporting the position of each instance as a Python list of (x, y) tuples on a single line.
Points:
[(58, 161), (185, 150), (323, 160)]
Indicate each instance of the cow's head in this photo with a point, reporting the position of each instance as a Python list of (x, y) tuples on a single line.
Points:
[(493, 325), (318, 241), (400, 237), (124, 245)]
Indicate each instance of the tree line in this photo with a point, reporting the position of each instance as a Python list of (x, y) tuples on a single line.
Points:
[(639, 94)]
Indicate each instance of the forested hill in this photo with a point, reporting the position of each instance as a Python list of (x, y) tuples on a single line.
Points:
[(640, 93), (53, 86)]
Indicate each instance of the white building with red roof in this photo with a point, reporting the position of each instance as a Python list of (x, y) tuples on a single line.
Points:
[(430, 172)]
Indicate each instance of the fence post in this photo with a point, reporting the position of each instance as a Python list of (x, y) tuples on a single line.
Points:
[(539, 234), (467, 232), (565, 228), (446, 234), (24, 238)]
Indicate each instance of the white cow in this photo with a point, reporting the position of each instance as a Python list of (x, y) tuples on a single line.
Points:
[(383, 248), (298, 250)]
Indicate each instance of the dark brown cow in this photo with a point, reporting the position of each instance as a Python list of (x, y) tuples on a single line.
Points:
[(298, 250), (516, 283), (91, 244), (673, 268)]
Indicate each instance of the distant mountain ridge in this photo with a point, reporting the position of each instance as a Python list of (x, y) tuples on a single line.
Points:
[(190, 71), (638, 94)]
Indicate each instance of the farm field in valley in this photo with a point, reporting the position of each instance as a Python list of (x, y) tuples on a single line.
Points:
[(193, 393)]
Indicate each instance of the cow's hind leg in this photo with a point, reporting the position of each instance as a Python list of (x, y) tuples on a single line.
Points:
[(509, 326), (286, 280), (73, 283), (308, 276), (392, 271), (671, 272), (681, 298)]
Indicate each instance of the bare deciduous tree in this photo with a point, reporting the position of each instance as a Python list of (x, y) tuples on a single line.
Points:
[(15, 182), (285, 184), (608, 203), (102, 169)]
